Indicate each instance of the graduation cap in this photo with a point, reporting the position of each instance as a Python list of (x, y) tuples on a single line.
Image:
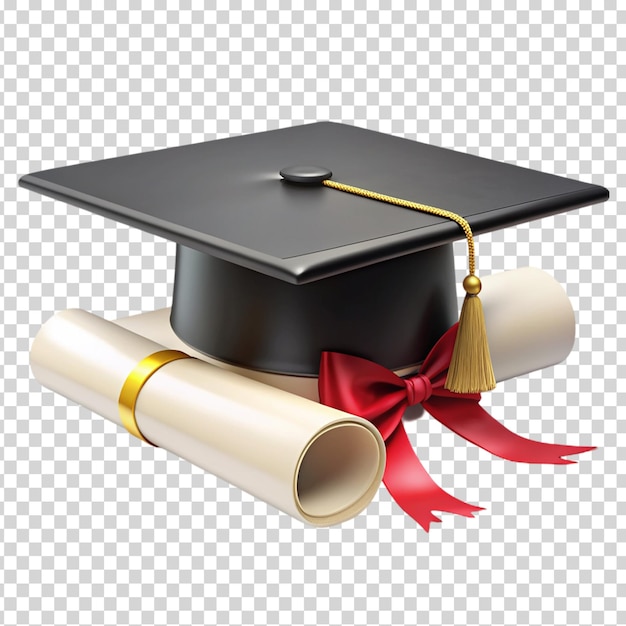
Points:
[(317, 237)]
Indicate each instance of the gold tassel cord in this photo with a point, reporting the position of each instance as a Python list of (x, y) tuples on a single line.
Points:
[(470, 370)]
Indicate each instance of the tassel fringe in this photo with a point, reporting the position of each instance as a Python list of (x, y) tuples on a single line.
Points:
[(470, 368)]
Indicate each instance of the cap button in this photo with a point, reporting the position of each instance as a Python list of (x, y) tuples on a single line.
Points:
[(305, 174)]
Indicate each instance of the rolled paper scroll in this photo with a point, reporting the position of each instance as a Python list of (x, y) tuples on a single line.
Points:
[(529, 319), (318, 464)]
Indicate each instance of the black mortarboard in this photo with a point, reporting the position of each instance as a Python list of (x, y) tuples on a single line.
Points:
[(272, 270)]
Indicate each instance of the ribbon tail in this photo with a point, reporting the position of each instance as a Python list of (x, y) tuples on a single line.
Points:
[(411, 486), (469, 420)]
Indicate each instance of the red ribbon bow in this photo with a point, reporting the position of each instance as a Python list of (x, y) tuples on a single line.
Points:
[(371, 391)]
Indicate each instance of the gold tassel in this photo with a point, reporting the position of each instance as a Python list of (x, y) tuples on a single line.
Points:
[(470, 368)]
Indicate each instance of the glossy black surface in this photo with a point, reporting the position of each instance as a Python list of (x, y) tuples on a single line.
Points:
[(227, 198), (305, 174), (391, 312)]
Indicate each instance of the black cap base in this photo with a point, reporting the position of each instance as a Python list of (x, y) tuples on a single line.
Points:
[(391, 312)]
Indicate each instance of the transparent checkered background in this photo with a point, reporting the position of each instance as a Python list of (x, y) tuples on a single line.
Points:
[(99, 529)]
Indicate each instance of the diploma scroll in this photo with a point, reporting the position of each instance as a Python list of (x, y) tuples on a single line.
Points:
[(530, 321), (318, 464)]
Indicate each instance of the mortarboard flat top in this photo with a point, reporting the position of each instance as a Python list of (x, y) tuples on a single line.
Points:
[(226, 198)]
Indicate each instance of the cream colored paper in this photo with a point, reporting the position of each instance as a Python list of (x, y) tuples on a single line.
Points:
[(529, 318), (530, 321), (315, 463)]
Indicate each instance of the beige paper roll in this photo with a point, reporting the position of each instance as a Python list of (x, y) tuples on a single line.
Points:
[(529, 318), (530, 321), (317, 464)]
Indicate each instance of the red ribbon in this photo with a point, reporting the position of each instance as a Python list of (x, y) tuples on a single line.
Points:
[(371, 391)]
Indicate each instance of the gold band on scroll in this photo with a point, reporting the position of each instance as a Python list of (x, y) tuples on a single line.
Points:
[(135, 382)]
